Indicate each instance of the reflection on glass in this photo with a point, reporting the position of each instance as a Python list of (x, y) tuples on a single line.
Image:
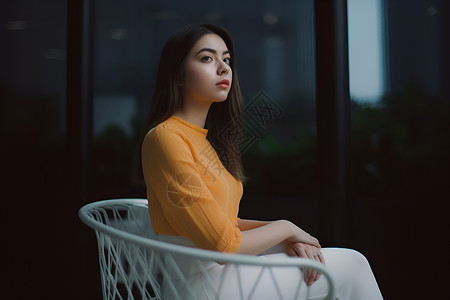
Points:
[(367, 68)]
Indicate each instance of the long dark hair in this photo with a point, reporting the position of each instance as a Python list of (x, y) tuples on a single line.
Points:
[(224, 118)]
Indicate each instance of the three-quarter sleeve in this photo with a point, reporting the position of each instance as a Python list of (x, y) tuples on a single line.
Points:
[(173, 175)]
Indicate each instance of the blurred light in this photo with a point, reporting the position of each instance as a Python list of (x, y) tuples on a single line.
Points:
[(16, 25), (432, 10), (270, 18), (118, 33), (366, 50)]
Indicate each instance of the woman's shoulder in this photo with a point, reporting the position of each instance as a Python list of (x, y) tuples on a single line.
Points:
[(164, 132)]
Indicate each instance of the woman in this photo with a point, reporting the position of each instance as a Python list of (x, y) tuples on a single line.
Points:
[(194, 175)]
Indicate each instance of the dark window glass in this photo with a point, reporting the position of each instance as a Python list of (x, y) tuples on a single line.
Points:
[(399, 145)]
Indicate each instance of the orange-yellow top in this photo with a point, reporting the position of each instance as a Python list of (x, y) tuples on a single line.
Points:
[(190, 192)]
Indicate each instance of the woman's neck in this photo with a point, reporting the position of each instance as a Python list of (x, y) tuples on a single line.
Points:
[(194, 112)]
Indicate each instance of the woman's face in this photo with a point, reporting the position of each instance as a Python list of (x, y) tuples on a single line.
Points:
[(206, 67)]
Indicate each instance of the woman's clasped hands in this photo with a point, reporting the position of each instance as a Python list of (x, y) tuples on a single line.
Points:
[(301, 244)]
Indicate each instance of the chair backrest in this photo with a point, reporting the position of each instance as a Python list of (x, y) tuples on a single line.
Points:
[(134, 264)]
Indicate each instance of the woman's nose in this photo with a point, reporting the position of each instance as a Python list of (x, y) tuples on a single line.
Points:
[(223, 69)]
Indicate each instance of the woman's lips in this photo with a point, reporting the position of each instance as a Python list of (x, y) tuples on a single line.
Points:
[(223, 84)]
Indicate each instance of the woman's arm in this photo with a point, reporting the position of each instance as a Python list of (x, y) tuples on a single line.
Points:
[(270, 235), (267, 235), (246, 224), (184, 207)]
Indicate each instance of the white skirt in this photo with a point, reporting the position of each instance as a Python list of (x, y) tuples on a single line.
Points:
[(350, 270)]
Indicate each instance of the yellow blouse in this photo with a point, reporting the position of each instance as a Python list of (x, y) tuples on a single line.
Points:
[(190, 192)]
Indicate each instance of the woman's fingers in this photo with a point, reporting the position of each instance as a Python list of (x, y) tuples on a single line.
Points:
[(316, 242), (314, 273), (310, 252), (321, 258), (310, 273), (318, 257), (291, 252)]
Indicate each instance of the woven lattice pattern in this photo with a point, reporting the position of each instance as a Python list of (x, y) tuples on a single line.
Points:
[(135, 265)]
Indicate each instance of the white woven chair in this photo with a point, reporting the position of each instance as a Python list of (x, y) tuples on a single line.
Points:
[(134, 264)]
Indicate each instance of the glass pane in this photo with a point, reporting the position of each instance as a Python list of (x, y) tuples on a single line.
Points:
[(399, 135), (35, 179), (275, 59)]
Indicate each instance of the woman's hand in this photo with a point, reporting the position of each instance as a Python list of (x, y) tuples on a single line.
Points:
[(306, 251), (298, 235)]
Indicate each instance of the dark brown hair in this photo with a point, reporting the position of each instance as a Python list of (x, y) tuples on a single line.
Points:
[(223, 117)]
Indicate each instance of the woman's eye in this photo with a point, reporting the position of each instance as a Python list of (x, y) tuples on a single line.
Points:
[(206, 58), (227, 60)]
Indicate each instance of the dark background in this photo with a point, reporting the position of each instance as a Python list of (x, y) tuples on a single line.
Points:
[(75, 83)]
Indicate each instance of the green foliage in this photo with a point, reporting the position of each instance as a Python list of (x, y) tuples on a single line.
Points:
[(113, 157), (401, 147)]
